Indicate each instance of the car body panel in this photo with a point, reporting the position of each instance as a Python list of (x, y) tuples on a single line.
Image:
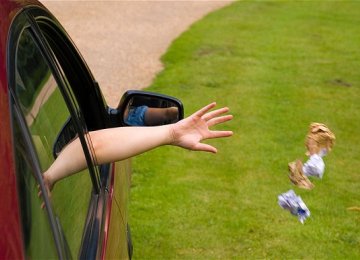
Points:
[(11, 240), (117, 230), (112, 214)]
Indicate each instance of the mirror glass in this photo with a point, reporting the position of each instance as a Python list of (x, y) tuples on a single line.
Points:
[(150, 111)]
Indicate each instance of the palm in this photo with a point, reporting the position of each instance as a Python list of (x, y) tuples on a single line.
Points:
[(189, 132)]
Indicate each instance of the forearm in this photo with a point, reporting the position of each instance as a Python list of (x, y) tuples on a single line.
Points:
[(108, 145), (70, 160), (115, 144)]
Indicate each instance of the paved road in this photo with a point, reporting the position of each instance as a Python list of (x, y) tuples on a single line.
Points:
[(122, 41)]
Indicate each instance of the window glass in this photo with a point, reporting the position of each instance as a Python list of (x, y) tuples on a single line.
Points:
[(35, 223), (46, 113), (78, 87)]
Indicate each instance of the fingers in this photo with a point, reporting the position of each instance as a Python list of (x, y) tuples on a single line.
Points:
[(210, 116), (220, 134), (204, 110), (203, 119), (215, 113), (219, 120), (213, 134), (214, 118), (205, 148), (41, 194)]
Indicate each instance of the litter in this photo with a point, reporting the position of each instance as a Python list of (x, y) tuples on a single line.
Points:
[(293, 203), (319, 141), (297, 176), (314, 167)]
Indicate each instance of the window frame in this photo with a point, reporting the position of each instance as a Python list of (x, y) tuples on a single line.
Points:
[(92, 233), (55, 67), (17, 28), (17, 115)]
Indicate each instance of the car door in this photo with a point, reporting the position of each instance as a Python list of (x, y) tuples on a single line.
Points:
[(54, 100)]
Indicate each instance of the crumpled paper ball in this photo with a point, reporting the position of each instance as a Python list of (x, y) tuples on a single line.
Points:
[(294, 204)]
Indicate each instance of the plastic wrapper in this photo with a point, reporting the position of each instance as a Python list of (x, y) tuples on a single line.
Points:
[(314, 167), (293, 203)]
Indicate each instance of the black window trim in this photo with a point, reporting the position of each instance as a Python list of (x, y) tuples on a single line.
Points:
[(28, 19), (54, 66), (86, 89), (17, 28), (35, 165)]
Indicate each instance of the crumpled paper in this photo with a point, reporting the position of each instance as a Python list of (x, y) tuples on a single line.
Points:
[(319, 142), (322, 136), (293, 203), (297, 176)]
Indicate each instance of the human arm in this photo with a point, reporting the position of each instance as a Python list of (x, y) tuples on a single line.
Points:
[(160, 116), (115, 144)]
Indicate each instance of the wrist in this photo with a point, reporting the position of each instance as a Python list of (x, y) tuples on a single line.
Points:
[(48, 182), (171, 134)]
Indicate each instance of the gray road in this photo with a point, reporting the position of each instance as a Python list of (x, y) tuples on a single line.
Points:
[(122, 41)]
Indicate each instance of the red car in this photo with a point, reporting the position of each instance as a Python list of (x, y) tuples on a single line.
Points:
[(48, 97)]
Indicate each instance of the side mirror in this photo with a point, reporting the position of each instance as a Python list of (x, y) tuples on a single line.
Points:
[(141, 108)]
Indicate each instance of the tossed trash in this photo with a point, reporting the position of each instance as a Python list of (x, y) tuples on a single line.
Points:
[(298, 177), (293, 203), (319, 141)]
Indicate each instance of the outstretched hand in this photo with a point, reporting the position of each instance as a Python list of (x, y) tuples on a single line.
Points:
[(189, 132)]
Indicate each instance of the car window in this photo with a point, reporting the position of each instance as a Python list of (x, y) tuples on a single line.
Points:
[(46, 111), (36, 227), (82, 90)]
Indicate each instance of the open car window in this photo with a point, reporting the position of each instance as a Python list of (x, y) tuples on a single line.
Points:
[(37, 228), (46, 109)]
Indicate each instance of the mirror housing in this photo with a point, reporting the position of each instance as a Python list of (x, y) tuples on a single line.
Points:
[(142, 108)]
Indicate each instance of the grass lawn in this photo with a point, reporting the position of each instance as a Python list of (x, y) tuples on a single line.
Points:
[(279, 66)]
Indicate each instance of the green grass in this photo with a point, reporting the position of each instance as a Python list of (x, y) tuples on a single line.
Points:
[(279, 66)]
